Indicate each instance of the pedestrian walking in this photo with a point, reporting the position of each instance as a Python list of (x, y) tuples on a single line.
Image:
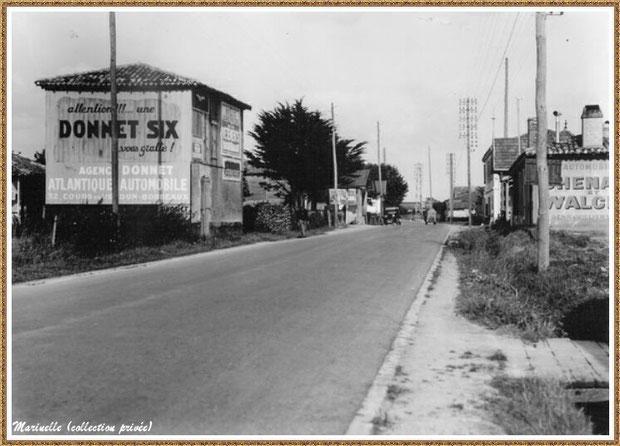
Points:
[(432, 215), (302, 220)]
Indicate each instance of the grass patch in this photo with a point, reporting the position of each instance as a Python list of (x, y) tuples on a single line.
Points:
[(533, 406), (34, 258), (501, 288)]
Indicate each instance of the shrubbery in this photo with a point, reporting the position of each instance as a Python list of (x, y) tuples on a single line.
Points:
[(92, 230), (317, 220), (501, 287), (275, 218)]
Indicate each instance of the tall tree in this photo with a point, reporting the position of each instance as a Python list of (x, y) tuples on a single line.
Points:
[(293, 149), (397, 187)]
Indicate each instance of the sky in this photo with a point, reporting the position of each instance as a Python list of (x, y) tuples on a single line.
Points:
[(405, 68)]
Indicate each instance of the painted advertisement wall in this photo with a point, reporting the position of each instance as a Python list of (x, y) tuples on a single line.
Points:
[(154, 140), (582, 200)]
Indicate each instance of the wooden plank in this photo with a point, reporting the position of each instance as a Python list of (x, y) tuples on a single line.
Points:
[(588, 395), (597, 359), (544, 363), (572, 359)]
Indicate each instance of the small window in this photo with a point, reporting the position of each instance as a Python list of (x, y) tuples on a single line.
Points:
[(199, 120)]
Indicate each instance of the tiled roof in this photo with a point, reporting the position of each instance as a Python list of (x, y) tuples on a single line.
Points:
[(23, 167), (506, 151), (131, 77), (571, 148)]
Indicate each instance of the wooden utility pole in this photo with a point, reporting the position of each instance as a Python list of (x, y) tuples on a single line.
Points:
[(541, 143), (506, 103), (430, 180), (468, 110), (518, 125), (114, 148), (337, 197), (451, 168), (380, 181)]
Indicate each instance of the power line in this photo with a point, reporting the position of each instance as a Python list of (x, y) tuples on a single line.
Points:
[(499, 66)]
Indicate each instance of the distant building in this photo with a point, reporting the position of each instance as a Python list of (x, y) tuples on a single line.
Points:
[(28, 189), (180, 143), (578, 177), (498, 159), (257, 188), (460, 202)]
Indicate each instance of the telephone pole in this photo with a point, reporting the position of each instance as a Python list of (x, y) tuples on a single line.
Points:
[(451, 173), (417, 180), (468, 111), (541, 143), (337, 196), (430, 180), (506, 103), (380, 183), (114, 148), (518, 125)]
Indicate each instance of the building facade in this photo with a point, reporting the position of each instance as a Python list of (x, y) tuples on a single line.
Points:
[(579, 179), (180, 143)]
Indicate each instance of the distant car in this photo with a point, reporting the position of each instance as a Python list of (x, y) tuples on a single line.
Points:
[(391, 215)]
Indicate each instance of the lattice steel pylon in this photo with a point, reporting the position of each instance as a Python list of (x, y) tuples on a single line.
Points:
[(417, 181), (468, 130)]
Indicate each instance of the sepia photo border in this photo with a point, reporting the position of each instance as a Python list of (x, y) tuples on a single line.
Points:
[(5, 185)]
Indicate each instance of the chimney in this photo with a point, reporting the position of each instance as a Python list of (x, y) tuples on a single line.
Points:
[(557, 115), (592, 126), (606, 130), (531, 132)]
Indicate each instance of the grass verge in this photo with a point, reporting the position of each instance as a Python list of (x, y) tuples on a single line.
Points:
[(533, 406), (500, 287), (36, 259)]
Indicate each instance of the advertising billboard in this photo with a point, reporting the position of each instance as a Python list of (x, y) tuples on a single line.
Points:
[(582, 199), (154, 148), (231, 131)]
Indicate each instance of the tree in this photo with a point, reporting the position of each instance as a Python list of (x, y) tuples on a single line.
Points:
[(294, 150), (396, 187)]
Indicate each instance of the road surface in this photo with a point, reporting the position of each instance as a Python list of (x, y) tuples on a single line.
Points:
[(279, 338)]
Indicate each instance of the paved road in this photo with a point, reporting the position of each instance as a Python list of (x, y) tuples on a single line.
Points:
[(280, 338)]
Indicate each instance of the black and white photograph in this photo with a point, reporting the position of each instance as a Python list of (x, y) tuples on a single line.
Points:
[(310, 223)]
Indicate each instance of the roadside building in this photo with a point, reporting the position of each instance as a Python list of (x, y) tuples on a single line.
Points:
[(498, 160), (579, 198), (357, 197), (460, 203), (28, 189), (258, 188), (180, 143)]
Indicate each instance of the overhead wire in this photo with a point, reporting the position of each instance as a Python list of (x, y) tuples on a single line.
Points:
[(499, 67)]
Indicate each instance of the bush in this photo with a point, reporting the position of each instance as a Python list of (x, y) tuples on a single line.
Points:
[(275, 218), (92, 230), (534, 406), (317, 220), (249, 218)]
